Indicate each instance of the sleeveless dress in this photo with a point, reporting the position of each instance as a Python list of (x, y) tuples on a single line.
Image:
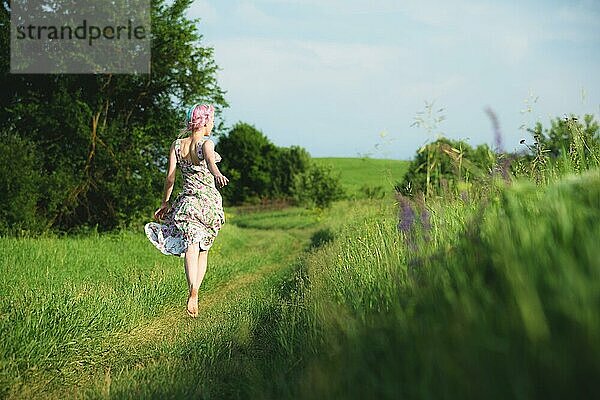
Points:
[(196, 215)]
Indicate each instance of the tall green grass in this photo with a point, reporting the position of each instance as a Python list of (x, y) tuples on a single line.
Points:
[(494, 294), (68, 305), (496, 303), (102, 315)]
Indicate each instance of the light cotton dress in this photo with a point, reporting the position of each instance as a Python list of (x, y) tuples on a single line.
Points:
[(196, 215)]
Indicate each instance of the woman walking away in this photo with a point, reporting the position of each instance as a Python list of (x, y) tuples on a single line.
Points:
[(191, 224)]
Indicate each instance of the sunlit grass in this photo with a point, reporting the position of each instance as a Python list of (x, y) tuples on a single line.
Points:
[(359, 173), (495, 298)]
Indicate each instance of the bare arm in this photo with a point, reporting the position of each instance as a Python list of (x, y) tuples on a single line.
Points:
[(208, 149), (171, 174)]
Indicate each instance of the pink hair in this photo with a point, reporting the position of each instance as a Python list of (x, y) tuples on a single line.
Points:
[(200, 116)]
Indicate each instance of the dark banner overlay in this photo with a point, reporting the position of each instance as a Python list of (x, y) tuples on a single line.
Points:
[(82, 36)]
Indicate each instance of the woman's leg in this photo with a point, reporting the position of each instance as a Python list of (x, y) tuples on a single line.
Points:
[(191, 271), (202, 264)]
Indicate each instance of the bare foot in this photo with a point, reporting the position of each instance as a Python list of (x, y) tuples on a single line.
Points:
[(192, 305)]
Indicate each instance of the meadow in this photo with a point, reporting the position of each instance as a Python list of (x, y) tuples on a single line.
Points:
[(364, 176), (474, 298)]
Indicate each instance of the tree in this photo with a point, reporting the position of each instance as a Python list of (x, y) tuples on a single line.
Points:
[(559, 137), (257, 169), (248, 158), (101, 140)]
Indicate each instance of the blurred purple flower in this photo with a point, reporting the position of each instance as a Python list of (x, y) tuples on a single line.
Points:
[(426, 224), (407, 215), (503, 165), (496, 126)]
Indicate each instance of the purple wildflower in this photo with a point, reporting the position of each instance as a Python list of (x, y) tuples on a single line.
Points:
[(496, 126), (504, 162), (407, 215)]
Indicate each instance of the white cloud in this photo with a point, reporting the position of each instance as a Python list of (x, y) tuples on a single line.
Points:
[(276, 64)]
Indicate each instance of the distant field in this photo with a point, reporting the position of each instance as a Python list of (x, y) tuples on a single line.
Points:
[(357, 172)]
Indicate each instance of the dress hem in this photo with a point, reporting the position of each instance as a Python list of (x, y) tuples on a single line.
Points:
[(155, 236)]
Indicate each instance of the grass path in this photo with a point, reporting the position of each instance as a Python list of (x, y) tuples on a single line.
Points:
[(151, 344), (136, 357), (103, 316), (176, 320)]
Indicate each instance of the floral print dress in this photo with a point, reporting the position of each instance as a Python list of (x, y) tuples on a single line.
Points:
[(196, 215)]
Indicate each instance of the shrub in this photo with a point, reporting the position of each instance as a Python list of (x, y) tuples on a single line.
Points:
[(19, 185), (567, 146), (248, 159), (372, 192), (561, 134), (441, 165), (257, 169), (318, 187)]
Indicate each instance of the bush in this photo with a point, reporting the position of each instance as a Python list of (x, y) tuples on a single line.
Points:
[(567, 146), (561, 134), (290, 162), (318, 187), (372, 192), (248, 160), (19, 185), (441, 165), (257, 169)]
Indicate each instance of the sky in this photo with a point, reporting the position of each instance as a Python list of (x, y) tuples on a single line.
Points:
[(347, 78)]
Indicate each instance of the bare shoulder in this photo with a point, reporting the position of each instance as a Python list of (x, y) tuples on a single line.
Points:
[(208, 144)]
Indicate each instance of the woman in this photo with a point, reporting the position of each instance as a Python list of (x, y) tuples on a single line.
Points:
[(192, 222)]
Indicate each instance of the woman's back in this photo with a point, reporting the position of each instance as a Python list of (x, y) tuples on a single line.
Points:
[(195, 172), (191, 149)]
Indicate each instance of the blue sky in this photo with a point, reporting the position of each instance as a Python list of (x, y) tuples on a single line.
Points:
[(346, 78)]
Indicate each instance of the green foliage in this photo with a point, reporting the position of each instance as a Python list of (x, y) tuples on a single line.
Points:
[(257, 169), (321, 238), (440, 166), (19, 189), (250, 159), (318, 186), (290, 162), (495, 301), (559, 137), (101, 139), (372, 192), (567, 146)]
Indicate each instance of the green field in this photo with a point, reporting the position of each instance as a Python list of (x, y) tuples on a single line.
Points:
[(489, 299), (356, 173), (103, 316)]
